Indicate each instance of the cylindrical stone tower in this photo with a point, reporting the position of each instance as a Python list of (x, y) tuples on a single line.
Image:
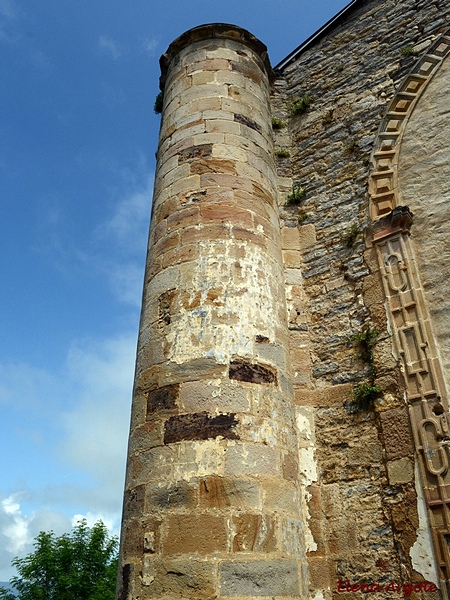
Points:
[(212, 505)]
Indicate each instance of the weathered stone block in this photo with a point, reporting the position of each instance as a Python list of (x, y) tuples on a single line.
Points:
[(164, 495), (290, 238), (213, 165), (396, 433), (184, 218), (222, 126), (148, 435), (259, 578), (320, 572), (202, 77), (252, 459), (254, 533), (291, 259), (195, 533), (133, 503), (290, 466), (134, 538), (307, 235), (336, 394), (221, 492), (400, 471), (177, 578), (191, 370), (280, 496), (213, 396), (196, 152)]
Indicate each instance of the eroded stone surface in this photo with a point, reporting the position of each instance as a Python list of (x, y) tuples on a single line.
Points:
[(228, 339)]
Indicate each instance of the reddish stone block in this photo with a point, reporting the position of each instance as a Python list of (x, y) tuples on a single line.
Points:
[(254, 533), (255, 239), (183, 218), (214, 64), (166, 243), (225, 181), (213, 165), (222, 213)]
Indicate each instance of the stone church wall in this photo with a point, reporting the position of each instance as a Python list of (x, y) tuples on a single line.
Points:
[(357, 467), (254, 468)]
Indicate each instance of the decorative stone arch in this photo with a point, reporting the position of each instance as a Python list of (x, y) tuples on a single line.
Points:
[(408, 313), (383, 183)]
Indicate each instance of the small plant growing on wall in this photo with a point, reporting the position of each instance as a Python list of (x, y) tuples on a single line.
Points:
[(302, 216), (158, 106), (349, 238), (408, 51), (364, 394), (296, 196), (365, 342), (282, 153), (278, 123), (301, 105)]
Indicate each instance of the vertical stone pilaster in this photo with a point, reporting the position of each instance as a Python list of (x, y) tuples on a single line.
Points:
[(425, 388), (212, 501), (407, 310)]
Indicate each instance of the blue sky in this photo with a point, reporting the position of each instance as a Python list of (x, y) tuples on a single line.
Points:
[(77, 143)]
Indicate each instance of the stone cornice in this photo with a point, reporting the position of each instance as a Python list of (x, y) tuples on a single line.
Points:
[(215, 31)]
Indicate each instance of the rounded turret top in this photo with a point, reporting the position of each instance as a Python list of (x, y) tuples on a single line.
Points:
[(210, 31)]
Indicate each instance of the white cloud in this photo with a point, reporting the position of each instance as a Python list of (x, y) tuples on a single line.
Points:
[(126, 282), (126, 231), (149, 46), (96, 427), (110, 47), (92, 518), (21, 386), (18, 530), (128, 224), (91, 419)]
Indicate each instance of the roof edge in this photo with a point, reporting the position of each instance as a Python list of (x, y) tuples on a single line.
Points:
[(316, 36)]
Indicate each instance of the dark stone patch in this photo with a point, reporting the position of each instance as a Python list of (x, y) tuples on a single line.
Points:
[(261, 339), (194, 152), (248, 69), (133, 502), (163, 398), (165, 301), (248, 122), (242, 370), (126, 576), (200, 426), (171, 496)]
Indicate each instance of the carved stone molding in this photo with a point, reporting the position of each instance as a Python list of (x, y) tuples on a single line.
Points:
[(383, 179), (408, 315)]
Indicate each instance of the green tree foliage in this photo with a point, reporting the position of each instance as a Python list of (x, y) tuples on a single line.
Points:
[(81, 565)]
